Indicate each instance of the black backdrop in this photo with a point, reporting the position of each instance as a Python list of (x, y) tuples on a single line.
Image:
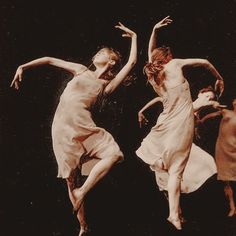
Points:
[(127, 201)]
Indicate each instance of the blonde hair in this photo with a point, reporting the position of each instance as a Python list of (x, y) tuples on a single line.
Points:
[(114, 69)]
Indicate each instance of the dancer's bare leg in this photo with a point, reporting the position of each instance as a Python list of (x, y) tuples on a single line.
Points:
[(82, 220), (70, 187), (182, 219), (96, 174), (230, 195), (174, 195), (71, 184)]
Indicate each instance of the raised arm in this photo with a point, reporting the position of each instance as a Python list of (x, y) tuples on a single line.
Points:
[(211, 116), (219, 85), (141, 118), (130, 63), (153, 39), (73, 68)]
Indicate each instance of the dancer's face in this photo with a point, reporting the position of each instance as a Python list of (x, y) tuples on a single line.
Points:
[(103, 57), (207, 95)]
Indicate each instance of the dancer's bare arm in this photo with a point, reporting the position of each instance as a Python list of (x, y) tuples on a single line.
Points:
[(219, 85), (141, 118), (153, 39), (216, 105), (71, 67), (131, 61), (211, 116), (197, 106)]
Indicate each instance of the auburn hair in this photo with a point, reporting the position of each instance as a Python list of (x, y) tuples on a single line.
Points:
[(154, 69)]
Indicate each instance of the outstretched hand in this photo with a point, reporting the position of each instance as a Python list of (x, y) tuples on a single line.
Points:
[(142, 119), (17, 78), (127, 32), (164, 22), (217, 105)]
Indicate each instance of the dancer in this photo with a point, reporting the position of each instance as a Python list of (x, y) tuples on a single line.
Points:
[(75, 136), (225, 152), (200, 165), (167, 146)]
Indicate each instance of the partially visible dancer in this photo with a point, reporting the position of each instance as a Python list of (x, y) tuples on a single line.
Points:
[(225, 152)]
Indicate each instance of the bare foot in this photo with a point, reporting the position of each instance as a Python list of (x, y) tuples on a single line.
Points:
[(83, 231), (175, 222), (232, 212), (78, 198)]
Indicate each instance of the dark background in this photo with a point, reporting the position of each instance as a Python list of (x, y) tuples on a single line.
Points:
[(126, 202)]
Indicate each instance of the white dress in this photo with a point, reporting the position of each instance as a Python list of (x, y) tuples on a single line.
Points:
[(74, 133), (171, 138), (200, 167)]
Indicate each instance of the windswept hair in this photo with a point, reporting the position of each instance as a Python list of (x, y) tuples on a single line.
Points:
[(113, 70), (154, 69)]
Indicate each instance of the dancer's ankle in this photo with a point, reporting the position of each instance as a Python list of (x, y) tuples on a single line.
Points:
[(175, 222), (232, 212)]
